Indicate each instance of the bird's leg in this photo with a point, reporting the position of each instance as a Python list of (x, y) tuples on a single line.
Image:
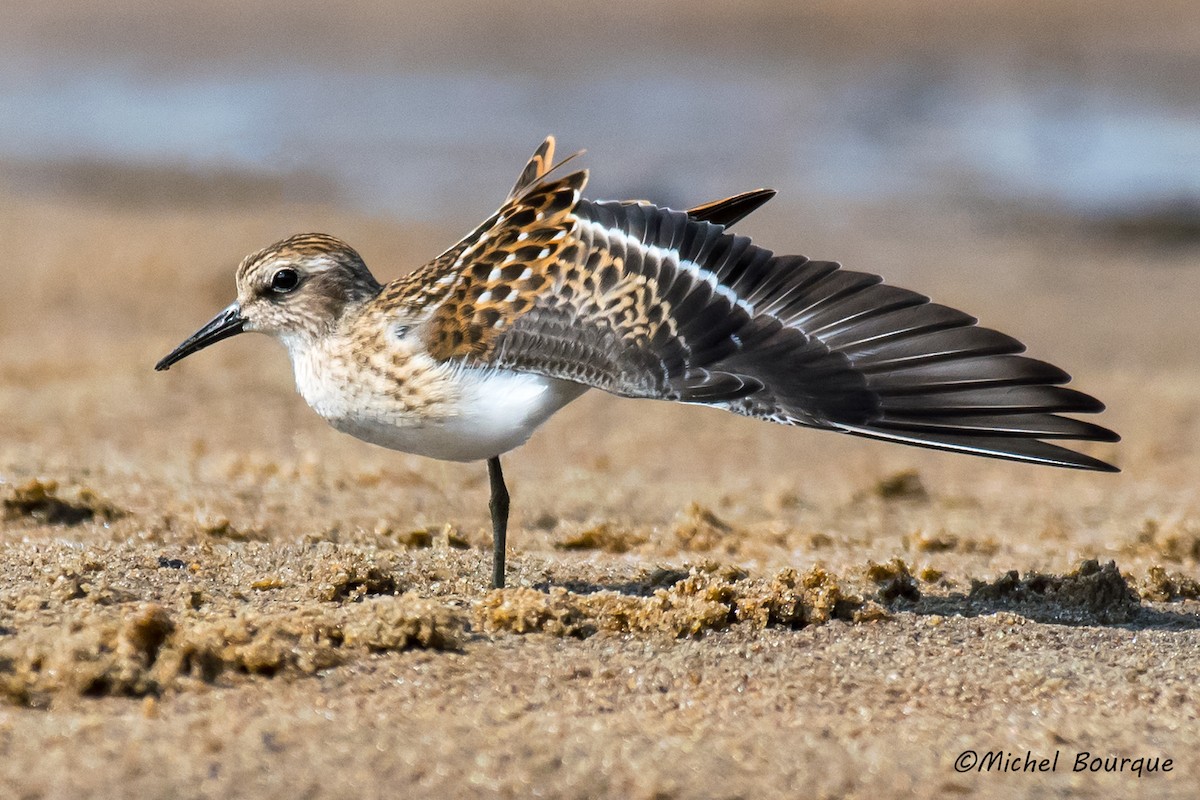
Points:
[(499, 507)]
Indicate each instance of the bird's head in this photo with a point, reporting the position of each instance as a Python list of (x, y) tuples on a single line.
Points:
[(298, 290)]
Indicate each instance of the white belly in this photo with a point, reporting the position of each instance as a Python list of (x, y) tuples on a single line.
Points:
[(490, 412)]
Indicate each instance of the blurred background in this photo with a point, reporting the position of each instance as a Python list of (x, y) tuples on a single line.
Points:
[(422, 111)]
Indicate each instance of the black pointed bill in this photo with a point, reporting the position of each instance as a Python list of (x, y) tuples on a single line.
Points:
[(229, 322)]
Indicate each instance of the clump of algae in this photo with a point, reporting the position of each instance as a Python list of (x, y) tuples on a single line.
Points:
[(353, 576), (700, 530), (41, 501), (144, 650), (148, 652), (217, 527), (1171, 540), (87, 655), (903, 485), (895, 581), (1093, 590), (703, 600), (403, 623), (1163, 587), (605, 537), (441, 536)]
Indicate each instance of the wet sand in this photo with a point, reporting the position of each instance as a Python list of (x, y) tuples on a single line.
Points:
[(207, 592)]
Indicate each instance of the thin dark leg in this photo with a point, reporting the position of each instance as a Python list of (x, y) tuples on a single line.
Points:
[(499, 507)]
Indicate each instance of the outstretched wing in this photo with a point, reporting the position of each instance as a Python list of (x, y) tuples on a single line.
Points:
[(647, 302), (730, 210)]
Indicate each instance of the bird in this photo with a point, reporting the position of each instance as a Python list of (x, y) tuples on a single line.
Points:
[(554, 294)]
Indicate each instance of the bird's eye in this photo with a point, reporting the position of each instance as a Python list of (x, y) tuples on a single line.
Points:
[(285, 280)]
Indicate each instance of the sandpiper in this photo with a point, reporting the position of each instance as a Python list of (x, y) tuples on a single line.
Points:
[(555, 294)]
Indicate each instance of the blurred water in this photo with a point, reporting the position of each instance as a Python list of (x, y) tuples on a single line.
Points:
[(417, 144)]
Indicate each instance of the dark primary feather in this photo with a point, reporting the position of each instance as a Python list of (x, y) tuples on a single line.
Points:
[(731, 210)]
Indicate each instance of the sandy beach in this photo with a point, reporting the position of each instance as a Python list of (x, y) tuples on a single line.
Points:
[(207, 592)]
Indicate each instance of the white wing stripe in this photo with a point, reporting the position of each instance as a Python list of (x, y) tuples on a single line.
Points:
[(671, 256)]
